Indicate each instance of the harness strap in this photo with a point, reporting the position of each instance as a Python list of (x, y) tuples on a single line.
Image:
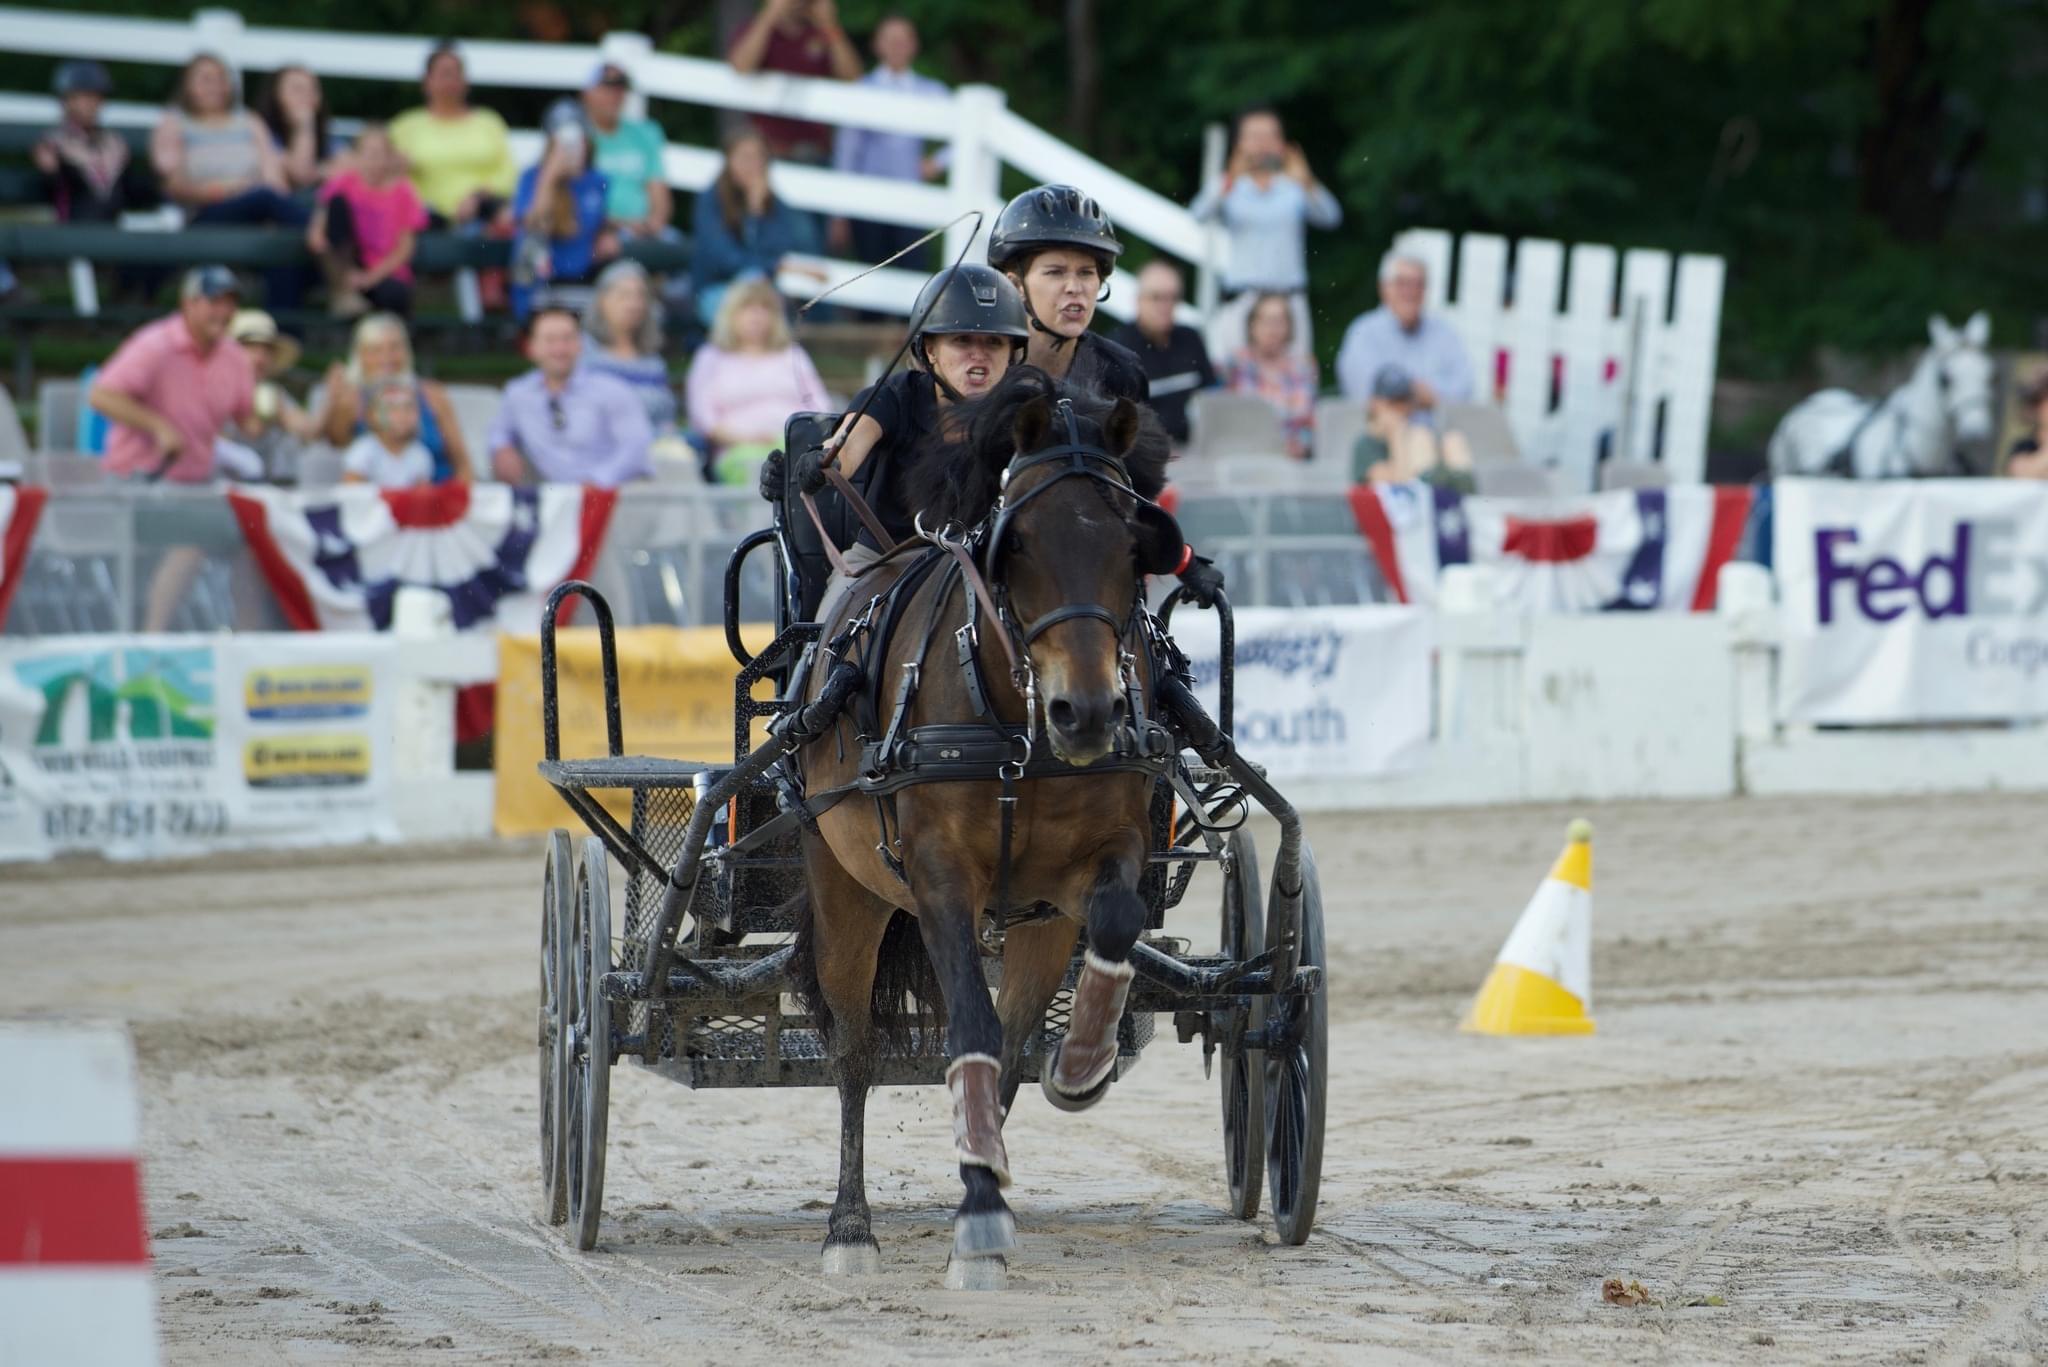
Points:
[(1070, 613), (979, 587)]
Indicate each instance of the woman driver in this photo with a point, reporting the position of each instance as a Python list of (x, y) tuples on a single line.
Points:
[(1056, 244), (972, 334)]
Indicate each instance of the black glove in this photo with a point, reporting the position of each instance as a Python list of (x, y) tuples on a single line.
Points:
[(1201, 581), (809, 470), (771, 476)]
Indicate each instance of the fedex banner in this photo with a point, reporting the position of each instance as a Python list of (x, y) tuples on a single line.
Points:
[(1912, 601), (1336, 692)]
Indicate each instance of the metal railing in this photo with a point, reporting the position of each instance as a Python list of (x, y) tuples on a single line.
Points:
[(105, 558)]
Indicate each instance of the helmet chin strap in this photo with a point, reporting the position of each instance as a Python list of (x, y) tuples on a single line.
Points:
[(1058, 339)]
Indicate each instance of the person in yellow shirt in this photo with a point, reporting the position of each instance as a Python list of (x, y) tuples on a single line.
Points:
[(459, 157)]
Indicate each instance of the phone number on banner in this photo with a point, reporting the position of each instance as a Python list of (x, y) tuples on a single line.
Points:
[(128, 819)]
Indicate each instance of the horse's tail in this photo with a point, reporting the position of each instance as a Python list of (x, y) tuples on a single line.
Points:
[(903, 972)]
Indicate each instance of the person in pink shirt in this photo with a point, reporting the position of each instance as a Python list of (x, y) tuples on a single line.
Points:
[(170, 392), (177, 384), (746, 381), (364, 229)]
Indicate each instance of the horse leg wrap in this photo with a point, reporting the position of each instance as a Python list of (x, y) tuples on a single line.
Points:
[(975, 1080), (1088, 1053)]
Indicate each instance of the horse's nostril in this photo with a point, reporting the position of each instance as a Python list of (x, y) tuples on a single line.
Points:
[(1060, 713)]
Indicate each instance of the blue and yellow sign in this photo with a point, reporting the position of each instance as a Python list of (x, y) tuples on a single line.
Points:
[(307, 692), (307, 760)]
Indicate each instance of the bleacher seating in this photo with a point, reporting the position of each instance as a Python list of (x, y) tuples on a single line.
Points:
[(1511, 479), (1633, 474), (1484, 427)]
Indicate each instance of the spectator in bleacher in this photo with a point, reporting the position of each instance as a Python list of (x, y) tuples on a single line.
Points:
[(366, 224), (217, 162), (2028, 459), (1175, 358), (801, 38), (379, 352), (177, 384), (389, 455), (1398, 332), (742, 230), (91, 177), (560, 209), (294, 110), (281, 428), (1269, 366), (459, 157), (746, 381), (1266, 201), (891, 156), (637, 201), (1396, 449), (564, 424), (625, 340)]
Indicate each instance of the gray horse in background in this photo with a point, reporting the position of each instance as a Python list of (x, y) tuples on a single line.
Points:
[(1914, 430)]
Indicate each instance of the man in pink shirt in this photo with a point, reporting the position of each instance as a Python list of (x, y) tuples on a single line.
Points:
[(176, 385)]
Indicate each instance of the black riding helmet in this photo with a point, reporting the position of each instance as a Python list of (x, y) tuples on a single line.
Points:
[(1048, 217), (968, 298)]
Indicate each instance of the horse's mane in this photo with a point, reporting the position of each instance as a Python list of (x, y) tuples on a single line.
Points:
[(957, 473)]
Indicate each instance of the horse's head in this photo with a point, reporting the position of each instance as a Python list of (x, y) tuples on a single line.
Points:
[(1066, 551), (1962, 374)]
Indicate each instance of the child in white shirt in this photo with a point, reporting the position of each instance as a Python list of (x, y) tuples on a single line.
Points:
[(389, 455)]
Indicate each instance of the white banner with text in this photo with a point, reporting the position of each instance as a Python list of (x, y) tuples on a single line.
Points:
[(1329, 692), (144, 747), (1912, 601)]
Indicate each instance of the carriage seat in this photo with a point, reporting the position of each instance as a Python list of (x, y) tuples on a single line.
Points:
[(812, 567)]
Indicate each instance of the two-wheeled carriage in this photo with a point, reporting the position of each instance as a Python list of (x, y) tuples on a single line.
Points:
[(697, 982)]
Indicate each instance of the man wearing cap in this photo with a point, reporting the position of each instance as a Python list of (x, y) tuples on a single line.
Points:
[(1425, 347), (176, 385), (628, 152)]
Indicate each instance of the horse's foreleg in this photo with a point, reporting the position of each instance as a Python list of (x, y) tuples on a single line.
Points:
[(983, 1227), (1035, 959), (1086, 1058), (847, 934)]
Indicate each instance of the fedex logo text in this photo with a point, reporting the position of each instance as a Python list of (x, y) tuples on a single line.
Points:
[(1979, 575)]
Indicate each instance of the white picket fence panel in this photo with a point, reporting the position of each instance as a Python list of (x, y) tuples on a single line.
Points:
[(1541, 305), (973, 121)]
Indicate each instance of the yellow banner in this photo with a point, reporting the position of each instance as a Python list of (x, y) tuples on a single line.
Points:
[(675, 697)]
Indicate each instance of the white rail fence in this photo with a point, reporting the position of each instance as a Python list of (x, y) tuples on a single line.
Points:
[(974, 121), (1593, 356)]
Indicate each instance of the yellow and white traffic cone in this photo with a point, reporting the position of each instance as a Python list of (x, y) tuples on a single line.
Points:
[(1542, 983)]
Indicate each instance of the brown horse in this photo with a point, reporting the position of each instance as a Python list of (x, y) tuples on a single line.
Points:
[(1064, 552)]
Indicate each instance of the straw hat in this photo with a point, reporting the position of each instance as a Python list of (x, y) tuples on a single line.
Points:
[(254, 327)]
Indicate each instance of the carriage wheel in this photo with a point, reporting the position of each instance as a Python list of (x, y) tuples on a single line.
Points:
[(590, 1064), (1297, 1068), (557, 919), (1244, 1073)]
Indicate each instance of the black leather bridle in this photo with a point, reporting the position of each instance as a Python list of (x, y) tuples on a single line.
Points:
[(1072, 459)]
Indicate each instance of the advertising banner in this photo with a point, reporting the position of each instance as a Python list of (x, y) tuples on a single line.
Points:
[(1336, 692), (675, 686), (140, 747), (1912, 600)]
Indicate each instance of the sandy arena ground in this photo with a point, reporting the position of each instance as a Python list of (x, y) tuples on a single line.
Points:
[(1814, 1123)]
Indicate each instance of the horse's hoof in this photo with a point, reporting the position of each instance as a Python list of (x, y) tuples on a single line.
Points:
[(983, 1234), (852, 1260), (1080, 1101), (976, 1274)]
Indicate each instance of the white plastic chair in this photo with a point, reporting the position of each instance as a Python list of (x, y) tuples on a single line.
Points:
[(1340, 422), (476, 408), (1511, 479), (1633, 474), (1484, 427), (59, 404), (1234, 425), (13, 440)]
